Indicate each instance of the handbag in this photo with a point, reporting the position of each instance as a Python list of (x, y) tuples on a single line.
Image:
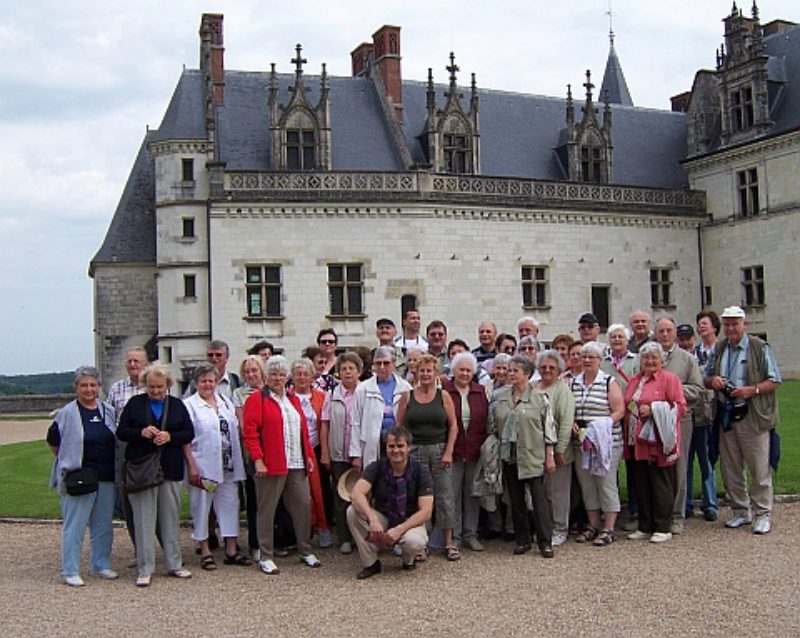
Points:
[(80, 482), (145, 472)]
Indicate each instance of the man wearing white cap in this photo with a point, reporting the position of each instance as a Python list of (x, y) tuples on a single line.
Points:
[(742, 370)]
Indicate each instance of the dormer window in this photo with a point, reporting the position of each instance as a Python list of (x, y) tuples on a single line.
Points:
[(456, 149), (591, 163), (742, 108), (300, 150)]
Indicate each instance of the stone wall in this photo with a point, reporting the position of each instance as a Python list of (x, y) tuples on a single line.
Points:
[(33, 403)]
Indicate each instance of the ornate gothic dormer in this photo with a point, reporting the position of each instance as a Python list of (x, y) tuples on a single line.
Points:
[(742, 72), (589, 146), (301, 132), (453, 135)]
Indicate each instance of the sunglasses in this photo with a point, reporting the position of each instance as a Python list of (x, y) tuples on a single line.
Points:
[(327, 342)]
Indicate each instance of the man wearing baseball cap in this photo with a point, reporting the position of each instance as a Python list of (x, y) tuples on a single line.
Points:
[(744, 373)]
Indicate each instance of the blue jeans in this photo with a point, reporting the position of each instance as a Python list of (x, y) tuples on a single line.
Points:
[(94, 510), (701, 438)]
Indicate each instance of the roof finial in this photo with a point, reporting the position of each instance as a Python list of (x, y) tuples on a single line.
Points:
[(734, 9), (589, 86), (610, 14), (299, 60), (755, 11), (453, 68)]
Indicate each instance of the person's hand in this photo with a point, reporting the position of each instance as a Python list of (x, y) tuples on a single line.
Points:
[(162, 438), (194, 475), (150, 431), (549, 464), (393, 535), (325, 460), (358, 463), (261, 469), (559, 458), (718, 383), (575, 430), (645, 411), (447, 459), (745, 392)]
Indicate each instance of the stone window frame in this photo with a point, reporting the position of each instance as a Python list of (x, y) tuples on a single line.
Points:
[(189, 286), (264, 291), (742, 108), (303, 148), (345, 290), (188, 229), (753, 286), (456, 153), (748, 192), (187, 170), (661, 287), (535, 285)]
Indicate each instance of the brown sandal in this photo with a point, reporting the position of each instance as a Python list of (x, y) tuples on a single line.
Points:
[(452, 553), (589, 534)]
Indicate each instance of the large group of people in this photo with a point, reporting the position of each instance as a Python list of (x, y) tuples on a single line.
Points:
[(421, 445)]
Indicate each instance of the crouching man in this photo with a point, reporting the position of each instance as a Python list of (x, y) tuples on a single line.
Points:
[(401, 495)]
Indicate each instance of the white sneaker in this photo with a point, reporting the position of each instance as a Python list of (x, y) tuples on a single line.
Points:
[(737, 520), (559, 538), (107, 574), (638, 536), (677, 526), (325, 538), (763, 525), (73, 581), (346, 548), (268, 567), (310, 560), (661, 537), (143, 580)]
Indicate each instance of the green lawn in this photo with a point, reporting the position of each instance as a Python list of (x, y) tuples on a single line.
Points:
[(25, 467)]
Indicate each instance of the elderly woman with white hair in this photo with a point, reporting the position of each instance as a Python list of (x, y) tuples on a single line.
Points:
[(619, 362), (654, 455), (598, 413), (471, 410), (215, 467), (558, 484), (529, 347), (82, 439), (156, 427), (276, 438)]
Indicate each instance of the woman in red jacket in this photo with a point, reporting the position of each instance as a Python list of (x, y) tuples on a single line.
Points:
[(276, 438), (472, 410)]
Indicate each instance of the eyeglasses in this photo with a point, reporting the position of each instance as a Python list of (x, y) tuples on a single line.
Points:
[(215, 355), (327, 342), (380, 364), (527, 348)]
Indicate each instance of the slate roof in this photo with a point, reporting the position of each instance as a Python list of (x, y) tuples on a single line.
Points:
[(131, 236), (784, 79), (614, 88)]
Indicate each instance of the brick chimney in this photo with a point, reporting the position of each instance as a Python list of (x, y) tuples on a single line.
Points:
[(680, 102), (359, 56), (777, 26), (386, 49), (212, 54)]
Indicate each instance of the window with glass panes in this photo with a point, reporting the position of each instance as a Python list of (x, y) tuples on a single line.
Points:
[(660, 287), (264, 290), (534, 286), (346, 289), (753, 293), (300, 150)]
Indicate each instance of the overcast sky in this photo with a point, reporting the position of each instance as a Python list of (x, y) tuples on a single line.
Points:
[(83, 79)]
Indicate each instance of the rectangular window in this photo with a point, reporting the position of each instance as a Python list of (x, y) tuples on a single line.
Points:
[(742, 109), (455, 153), (534, 287), (187, 169), (660, 287), (167, 354), (601, 304), (188, 228), (747, 185), (300, 150), (753, 293), (346, 289), (263, 289), (190, 286), (590, 164), (708, 301)]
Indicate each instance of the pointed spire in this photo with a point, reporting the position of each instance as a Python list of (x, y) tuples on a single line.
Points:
[(324, 86), (273, 85), (614, 83), (589, 86), (431, 96), (298, 61), (473, 101), (734, 9), (755, 11), (570, 107)]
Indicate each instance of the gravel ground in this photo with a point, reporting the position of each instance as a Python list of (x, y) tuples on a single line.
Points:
[(709, 581)]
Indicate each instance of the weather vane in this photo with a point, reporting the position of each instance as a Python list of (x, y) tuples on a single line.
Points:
[(610, 14)]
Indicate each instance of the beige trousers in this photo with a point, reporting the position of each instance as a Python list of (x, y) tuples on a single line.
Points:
[(744, 446), (559, 485), (296, 498), (411, 543)]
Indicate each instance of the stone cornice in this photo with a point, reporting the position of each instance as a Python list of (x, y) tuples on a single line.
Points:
[(180, 146), (425, 187), (747, 150), (315, 210)]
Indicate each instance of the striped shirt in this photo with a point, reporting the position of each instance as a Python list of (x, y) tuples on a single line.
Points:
[(592, 402)]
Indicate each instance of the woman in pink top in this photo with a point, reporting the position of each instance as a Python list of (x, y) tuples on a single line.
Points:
[(655, 478)]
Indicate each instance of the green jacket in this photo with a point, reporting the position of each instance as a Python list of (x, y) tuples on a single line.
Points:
[(562, 402), (527, 427)]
